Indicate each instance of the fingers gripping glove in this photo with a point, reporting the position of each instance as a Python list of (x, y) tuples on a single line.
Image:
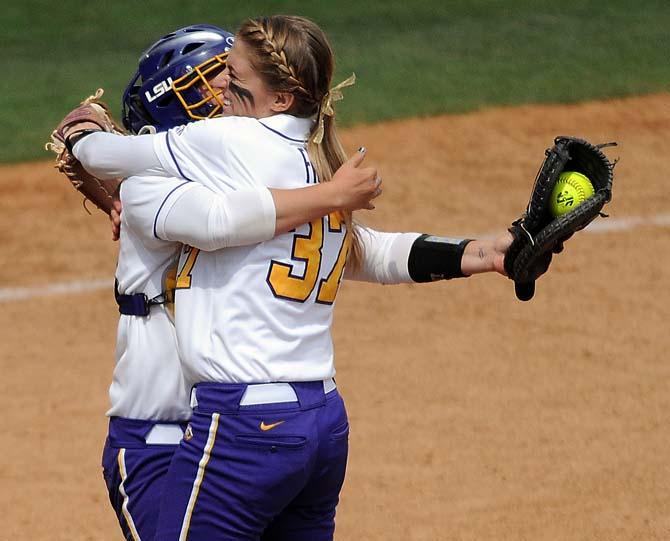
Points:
[(90, 116), (538, 234)]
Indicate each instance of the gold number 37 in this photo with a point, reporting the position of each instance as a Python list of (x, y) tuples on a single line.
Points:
[(309, 249), (281, 278)]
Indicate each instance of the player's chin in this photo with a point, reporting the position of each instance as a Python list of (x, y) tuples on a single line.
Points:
[(227, 108)]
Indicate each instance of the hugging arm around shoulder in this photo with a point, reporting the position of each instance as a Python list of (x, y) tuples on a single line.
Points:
[(171, 209), (108, 155), (246, 214)]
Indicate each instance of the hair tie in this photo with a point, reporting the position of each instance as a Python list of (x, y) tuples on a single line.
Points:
[(326, 107)]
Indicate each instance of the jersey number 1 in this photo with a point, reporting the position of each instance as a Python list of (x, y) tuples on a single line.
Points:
[(183, 280)]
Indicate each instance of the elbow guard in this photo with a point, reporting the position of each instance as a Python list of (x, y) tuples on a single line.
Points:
[(436, 258)]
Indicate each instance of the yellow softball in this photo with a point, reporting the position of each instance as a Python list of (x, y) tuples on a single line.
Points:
[(570, 191)]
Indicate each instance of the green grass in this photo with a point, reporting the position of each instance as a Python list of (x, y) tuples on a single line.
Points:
[(411, 57)]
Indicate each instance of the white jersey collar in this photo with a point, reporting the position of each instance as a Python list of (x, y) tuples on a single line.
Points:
[(295, 129)]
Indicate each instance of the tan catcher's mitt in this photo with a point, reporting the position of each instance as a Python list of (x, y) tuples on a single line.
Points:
[(90, 116)]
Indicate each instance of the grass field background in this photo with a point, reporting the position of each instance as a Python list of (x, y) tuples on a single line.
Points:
[(411, 57)]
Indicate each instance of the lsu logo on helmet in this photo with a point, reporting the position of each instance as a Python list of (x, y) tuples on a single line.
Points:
[(159, 89)]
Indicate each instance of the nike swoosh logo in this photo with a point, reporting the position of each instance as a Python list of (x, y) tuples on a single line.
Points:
[(265, 427)]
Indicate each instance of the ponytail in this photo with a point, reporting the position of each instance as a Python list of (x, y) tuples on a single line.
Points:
[(292, 54), (327, 154)]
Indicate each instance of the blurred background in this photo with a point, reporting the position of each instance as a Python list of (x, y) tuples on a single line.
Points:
[(420, 57)]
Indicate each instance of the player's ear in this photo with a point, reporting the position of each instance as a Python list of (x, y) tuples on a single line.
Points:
[(282, 102)]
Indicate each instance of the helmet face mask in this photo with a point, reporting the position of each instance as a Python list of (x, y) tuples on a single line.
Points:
[(188, 56), (195, 93)]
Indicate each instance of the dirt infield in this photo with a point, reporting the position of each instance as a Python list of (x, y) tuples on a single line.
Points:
[(474, 416)]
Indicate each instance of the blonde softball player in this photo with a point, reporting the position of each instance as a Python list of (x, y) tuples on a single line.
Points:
[(149, 397), (265, 453)]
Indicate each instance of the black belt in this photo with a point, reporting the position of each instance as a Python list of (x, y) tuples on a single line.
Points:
[(137, 304)]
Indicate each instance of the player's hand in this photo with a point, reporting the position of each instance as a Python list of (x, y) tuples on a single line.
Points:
[(115, 218), (356, 186), (500, 246), (486, 255)]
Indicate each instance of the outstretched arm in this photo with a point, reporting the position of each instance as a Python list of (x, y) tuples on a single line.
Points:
[(393, 258)]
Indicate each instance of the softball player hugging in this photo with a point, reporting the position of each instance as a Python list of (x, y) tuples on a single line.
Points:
[(149, 397), (265, 453)]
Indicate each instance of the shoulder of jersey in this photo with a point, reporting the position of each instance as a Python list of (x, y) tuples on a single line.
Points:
[(238, 122), (245, 128)]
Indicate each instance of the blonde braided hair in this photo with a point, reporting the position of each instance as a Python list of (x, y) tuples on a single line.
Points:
[(277, 54), (292, 54)]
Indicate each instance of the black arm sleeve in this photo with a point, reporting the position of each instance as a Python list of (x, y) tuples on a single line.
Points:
[(436, 258)]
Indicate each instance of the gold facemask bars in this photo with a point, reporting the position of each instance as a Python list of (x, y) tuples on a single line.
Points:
[(198, 81)]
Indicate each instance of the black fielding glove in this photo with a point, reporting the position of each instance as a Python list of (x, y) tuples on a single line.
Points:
[(538, 233)]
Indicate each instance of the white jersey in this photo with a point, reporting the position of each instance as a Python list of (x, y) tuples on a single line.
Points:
[(147, 382), (262, 312), (255, 313)]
